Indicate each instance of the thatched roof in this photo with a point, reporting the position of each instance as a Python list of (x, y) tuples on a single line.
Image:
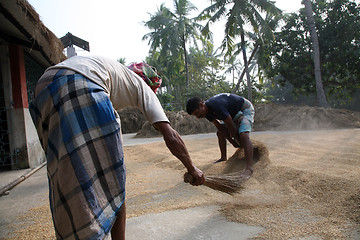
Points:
[(21, 24)]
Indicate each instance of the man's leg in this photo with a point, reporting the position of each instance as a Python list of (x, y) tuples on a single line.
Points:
[(118, 229), (248, 148), (222, 146)]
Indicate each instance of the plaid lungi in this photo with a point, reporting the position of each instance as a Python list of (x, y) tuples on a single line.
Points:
[(81, 135), (248, 113)]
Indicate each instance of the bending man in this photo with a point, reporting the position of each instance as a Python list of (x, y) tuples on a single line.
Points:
[(75, 113), (233, 117)]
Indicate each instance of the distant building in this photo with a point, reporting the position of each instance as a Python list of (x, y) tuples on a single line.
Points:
[(27, 48)]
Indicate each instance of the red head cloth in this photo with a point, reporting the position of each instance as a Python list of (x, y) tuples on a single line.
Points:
[(148, 74)]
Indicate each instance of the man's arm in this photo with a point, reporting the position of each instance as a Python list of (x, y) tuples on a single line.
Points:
[(228, 131), (231, 126), (178, 149)]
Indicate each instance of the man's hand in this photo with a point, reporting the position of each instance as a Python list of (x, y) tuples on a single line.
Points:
[(233, 132), (198, 177), (226, 132)]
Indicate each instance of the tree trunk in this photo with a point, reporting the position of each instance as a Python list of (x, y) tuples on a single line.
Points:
[(243, 48), (186, 66), (168, 87), (320, 93), (243, 72), (233, 74)]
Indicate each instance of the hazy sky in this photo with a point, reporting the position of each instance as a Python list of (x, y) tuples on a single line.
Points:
[(114, 28)]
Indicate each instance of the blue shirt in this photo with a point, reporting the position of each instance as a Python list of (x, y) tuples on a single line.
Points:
[(222, 105)]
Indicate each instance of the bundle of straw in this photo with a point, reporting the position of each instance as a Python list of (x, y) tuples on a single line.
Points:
[(229, 183)]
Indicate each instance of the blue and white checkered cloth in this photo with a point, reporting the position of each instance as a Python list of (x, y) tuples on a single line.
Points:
[(81, 135)]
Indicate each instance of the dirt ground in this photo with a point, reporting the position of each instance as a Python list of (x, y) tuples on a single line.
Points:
[(310, 188), (305, 183)]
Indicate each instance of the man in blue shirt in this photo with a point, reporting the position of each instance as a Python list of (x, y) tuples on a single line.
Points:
[(233, 117)]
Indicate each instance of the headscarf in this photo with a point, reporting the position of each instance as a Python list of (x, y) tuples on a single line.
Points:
[(148, 74)]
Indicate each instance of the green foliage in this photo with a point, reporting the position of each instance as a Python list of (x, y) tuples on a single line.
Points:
[(238, 14), (205, 71), (121, 60), (338, 25), (281, 68), (286, 93), (166, 101), (172, 31), (259, 90)]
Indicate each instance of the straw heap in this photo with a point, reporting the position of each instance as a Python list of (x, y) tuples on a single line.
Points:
[(229, 183)]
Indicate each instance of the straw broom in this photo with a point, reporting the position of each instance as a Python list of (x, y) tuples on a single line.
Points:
[(229, 183), (233, 182)]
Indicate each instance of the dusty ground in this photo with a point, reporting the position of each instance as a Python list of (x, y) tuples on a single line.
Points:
[(309, 189), (267, 117)]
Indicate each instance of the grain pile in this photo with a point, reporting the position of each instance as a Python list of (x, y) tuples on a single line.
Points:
[(310, 190), (232, 178), (38, 225)]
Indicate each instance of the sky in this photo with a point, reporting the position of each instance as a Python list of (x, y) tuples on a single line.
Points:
[(114, 28)]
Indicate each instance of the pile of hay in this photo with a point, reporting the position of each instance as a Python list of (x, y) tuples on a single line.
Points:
[(268, 116), (182, 122), (132, 120), (272, 116)]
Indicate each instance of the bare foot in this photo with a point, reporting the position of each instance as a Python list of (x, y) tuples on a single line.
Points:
[(246, 174), (250, 170), (220, 160)]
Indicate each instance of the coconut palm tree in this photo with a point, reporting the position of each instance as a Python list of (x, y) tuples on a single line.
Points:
[(173, 30), (234, 66), (259, 41), (315, 45), (239, 14)]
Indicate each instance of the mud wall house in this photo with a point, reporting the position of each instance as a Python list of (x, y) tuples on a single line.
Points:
[(27, 48)]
